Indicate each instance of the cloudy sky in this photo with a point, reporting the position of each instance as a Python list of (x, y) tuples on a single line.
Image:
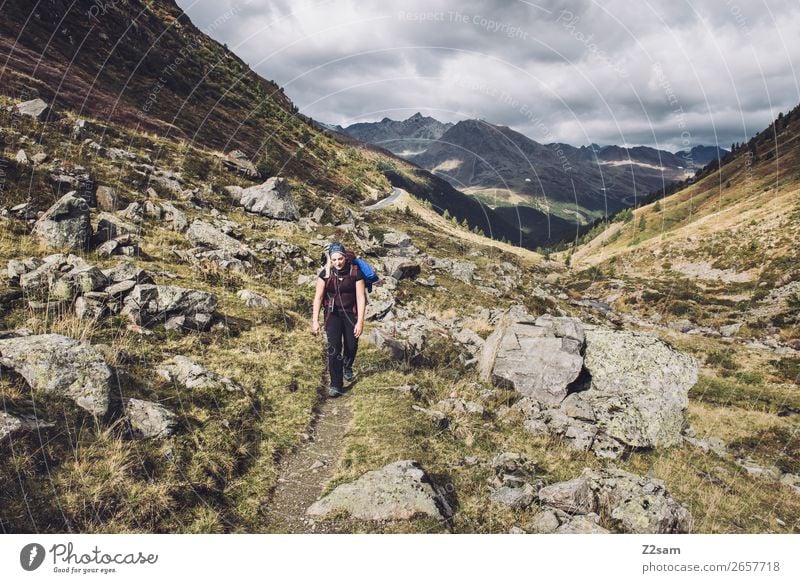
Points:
[(664, 73)]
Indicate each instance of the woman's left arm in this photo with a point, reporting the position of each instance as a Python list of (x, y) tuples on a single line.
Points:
[(361, 306)]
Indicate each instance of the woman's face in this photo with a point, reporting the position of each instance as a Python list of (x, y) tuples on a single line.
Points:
[(337, 259)]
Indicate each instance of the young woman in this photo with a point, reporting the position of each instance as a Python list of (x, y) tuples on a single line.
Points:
[(342, 291)]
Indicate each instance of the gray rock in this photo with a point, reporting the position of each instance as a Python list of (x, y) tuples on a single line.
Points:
[(148, 304), (463, 270), (396, 239), (88, 309), (271, 199), (530, 359), (581, 524), (51, 363), (13, 425), (65, 225), (439, 419), (37, 109), (514, 498), (201, 233), (43, 282), (252, 299), (107, 199), (640, 505), (573, 496), (18, 267), (108, 227), (400, 267), (176, 219), (639, 387), (127, 271), (545, 522), (149, 420), (399, 491), (187, 373), (22, 158)]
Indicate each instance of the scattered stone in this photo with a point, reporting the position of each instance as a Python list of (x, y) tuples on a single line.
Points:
[(203, 234), (545, 522), (187, 373), (22, 158), (149, 420), (271, 199), (252, 299), (12, 425), (37, 109), (65, 225), (514, 498), (149, 304), (439, 419), (399, 491), (107, 199)]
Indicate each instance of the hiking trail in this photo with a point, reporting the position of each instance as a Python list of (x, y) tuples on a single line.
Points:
[(305, 471)]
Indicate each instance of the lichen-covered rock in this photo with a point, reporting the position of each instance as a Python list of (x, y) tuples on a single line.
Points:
[(65, 225), (636, 504), (52, 363), (13, 425), (639, 387), (187, 373), (399, 491), (149, 420)]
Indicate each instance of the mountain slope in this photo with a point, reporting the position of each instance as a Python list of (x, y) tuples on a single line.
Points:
[(578, 184), (404, 138)]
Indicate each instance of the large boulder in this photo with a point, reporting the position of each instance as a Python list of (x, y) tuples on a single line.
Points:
[(399, 491), (639, 387), (65, 225), (52, 363), (538, 361), (271, 199)]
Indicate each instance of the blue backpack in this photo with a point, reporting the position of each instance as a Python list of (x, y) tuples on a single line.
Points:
[(369, 274)]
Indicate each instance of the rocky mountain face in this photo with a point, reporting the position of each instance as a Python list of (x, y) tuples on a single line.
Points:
[(159, 374), (494, 161), (508, 171), (404, 138)]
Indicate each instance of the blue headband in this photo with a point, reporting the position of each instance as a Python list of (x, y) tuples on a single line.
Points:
[(336, 248)]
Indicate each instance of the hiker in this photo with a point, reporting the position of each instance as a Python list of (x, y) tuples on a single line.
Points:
[(342, 291)]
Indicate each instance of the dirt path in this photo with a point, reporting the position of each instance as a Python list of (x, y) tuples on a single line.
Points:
[(304, 472)]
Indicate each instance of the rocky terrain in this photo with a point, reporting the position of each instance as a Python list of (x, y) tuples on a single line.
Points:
[(158, 374)]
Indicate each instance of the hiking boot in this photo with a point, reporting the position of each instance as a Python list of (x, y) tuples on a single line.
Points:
[(334, 392), (348, 374)]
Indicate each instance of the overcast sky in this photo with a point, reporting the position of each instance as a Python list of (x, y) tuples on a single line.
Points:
[(665, 73)]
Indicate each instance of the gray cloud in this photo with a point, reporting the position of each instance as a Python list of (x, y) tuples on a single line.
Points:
[(576, 71)]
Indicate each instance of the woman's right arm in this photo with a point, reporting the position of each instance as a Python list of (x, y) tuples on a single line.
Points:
[(317, 305)]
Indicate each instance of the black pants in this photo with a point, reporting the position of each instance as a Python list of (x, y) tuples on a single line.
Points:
[(339, 326)]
